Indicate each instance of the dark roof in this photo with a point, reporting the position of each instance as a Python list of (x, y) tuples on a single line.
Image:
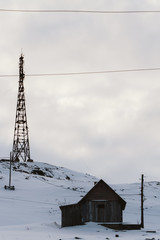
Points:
[(68, 206), (102, 191)]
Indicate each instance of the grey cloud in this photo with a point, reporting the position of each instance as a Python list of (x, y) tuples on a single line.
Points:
[(106, 124)]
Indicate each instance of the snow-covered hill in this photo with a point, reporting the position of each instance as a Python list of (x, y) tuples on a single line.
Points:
[(32, 210)]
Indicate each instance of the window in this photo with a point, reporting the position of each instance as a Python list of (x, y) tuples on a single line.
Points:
[(101, 206)]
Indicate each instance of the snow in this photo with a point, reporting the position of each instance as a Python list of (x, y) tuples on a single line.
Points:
[(32, 210)]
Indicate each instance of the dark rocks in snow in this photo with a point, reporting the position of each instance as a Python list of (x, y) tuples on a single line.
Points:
[(149, 238), (68, 178), (19, 170), (38, 172), (33, 169), (45, 170)]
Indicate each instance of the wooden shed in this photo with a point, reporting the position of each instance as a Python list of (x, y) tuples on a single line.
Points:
[(100, 204)]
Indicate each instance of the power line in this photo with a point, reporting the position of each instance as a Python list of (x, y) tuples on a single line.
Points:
[(83, 73), (78, 11), (8, 75)]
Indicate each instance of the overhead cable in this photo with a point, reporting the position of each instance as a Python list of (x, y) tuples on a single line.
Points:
[(83, 73), (79, 11)]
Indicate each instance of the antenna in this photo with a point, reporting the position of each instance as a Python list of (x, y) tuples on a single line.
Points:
[(21, 149)]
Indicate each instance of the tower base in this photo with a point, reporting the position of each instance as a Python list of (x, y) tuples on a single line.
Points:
[(9, 187)]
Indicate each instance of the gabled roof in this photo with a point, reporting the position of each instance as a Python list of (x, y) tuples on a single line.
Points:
[(102, 191)]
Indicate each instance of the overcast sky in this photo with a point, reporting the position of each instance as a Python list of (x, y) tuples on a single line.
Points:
[(107, 125)]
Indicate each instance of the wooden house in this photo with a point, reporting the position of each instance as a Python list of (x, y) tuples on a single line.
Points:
[(100, 204)]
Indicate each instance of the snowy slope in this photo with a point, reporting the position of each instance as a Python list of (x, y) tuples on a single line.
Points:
[(32, 210)]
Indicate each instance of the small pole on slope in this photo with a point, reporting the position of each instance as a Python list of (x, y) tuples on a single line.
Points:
[(10, 168), (142, 201)]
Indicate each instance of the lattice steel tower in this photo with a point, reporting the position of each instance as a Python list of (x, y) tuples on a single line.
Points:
[(21, 149)]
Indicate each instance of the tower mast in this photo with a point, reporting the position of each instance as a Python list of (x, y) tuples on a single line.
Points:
[(21, 149)]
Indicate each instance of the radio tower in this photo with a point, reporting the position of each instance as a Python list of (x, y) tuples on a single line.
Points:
[(21, 150)]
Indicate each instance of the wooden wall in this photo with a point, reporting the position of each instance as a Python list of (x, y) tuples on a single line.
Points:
[(91, 211), (71, 215), (101, 211)]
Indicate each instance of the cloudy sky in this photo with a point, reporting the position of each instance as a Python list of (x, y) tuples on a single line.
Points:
[(107, 125)]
